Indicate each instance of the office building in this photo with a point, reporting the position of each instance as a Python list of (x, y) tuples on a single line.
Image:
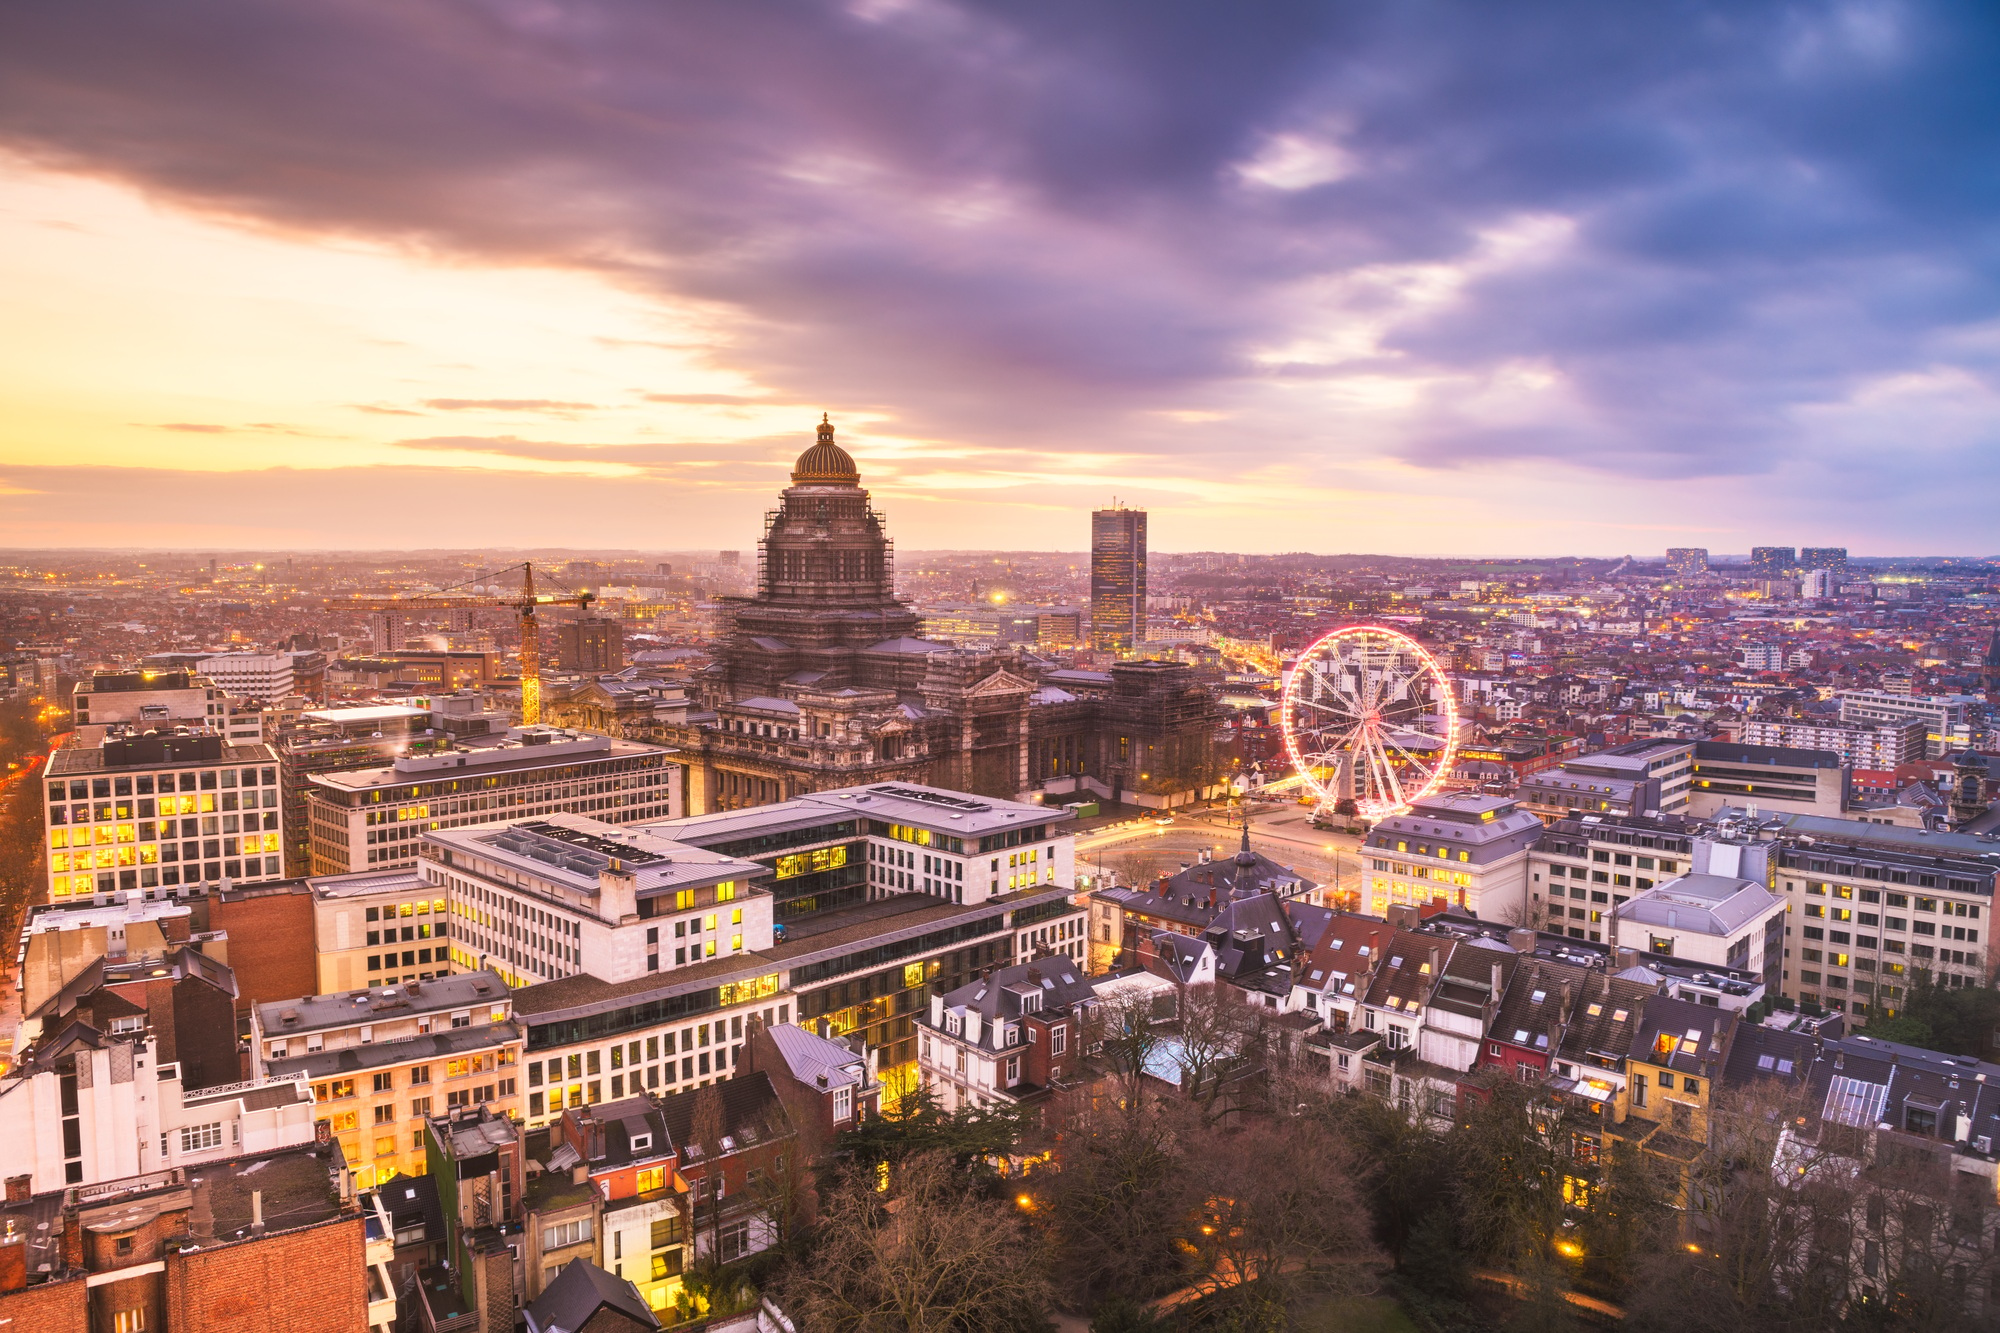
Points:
[(1818, 585), (1728, 775), (566, 895), (1687, 562), (265, 677), (1117, 579), (1951, 722), (382, 1061), (1877, 745), (372, 818), (367, 924), (593, 645), (150, 811), (1462, 849), (1874, 903), (1058, 629), (1773, 562), (1832, 559), (1638, 778), (1722, 920), (839, 905), (1587, 866), (143, 701)]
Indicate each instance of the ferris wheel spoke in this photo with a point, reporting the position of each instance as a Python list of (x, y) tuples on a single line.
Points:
[(1389, 770)]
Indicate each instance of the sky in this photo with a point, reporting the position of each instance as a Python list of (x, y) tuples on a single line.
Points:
[(1333, 276)]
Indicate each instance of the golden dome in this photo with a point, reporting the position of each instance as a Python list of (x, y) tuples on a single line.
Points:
[(826, 463)]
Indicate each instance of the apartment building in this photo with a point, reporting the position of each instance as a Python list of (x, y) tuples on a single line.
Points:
[(84, 1106), (1877, 745), (1870, 904), (381, 1061), (1463, 849), (152, 810), (374, 818), (1775, 778)]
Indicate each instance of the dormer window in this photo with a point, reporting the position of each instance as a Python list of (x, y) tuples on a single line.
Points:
[(641, 1142), (1031, 1003), (843, 1103)]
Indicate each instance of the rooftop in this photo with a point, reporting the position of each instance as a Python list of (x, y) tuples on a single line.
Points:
[(573, 850), (1719, 905), (361, 883), (313, 1013)]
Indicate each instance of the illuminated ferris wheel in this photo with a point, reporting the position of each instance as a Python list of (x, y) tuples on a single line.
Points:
[(1369, 717)]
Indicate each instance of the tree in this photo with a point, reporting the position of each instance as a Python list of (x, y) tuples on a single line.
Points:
[(1122, 1036), (1957, 1019), (1279, 1214), (1117, 1200), (973, 1137), (1213, 1039), (936, 1258)]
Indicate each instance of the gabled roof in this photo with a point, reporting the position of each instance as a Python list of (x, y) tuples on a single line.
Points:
[(811, 1057), (579, 1291), (1055, 982), (1474, 976), (751, 1114), (1606, 1016), (1536, 1008), (1346, 955), (1685, 1036), (1404, 979)]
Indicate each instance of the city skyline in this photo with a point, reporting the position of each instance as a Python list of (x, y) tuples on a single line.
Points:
[(1554, 281)]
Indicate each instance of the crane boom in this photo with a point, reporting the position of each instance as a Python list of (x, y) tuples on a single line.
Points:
[(524, 607)]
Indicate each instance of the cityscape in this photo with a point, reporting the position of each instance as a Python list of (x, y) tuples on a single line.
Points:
[(876, 830)]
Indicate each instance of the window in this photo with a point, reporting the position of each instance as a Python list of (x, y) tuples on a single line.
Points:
[(733, 1241), (201, 1138), (1058, 1040), (843, 1103), (651, 1178), (129, 1321), (384, 1081), (562, 1234)]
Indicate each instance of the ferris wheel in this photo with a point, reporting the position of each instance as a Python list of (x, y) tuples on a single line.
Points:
[(1368, 716)]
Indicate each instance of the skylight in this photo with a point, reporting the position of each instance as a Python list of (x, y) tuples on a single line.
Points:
[(1596, 1010)]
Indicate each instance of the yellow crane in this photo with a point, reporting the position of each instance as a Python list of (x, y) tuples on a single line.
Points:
[(524, 608)]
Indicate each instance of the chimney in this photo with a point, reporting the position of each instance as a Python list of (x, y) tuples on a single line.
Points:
[(1623, 957), (1496, 980), (1434, 960), (1402, 916), (1521, 939), (19, 1188), (257, 1211)]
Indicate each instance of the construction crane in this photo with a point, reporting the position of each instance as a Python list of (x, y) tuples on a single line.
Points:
[(524, 608)]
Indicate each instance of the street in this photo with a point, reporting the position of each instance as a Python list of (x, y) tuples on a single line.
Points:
[(1139, 850)]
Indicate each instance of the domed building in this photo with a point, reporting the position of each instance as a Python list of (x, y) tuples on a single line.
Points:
[(822, 679)]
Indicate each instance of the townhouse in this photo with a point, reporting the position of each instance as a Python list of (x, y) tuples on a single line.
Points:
[(1009, 1038), (1459, 849)]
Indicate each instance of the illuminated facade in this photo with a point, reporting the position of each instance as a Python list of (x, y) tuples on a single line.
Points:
[(382, 1062), (151, 812), (1117, 579), (1463, 849)]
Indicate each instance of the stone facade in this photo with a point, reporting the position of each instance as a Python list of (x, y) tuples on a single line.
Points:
[(820, 682)]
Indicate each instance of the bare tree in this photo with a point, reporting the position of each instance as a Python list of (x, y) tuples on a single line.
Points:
[(936, 1258), (1122, 1035), (1280, 1213), (1214, 1038), (1118, 1200)]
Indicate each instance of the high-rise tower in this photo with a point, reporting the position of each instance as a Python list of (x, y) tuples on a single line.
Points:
[(1117, 579)]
